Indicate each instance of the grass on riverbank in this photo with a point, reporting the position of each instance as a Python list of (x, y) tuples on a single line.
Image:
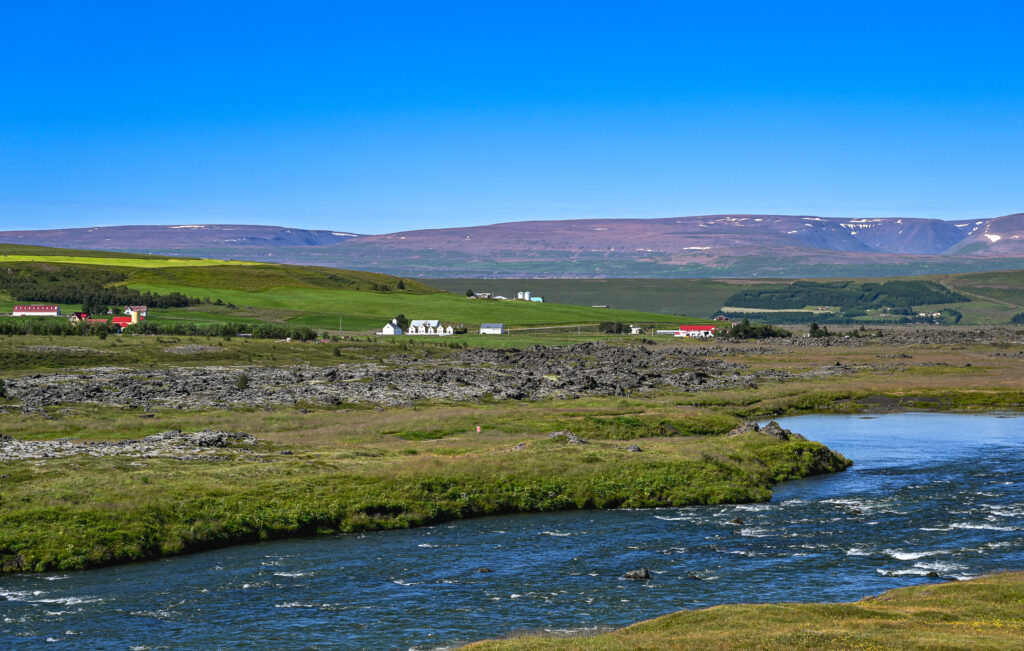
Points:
[(985, 613), (83, 511)]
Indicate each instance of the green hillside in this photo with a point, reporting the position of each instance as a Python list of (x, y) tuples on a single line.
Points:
[(213, 291), (693, 297), (986, 298)]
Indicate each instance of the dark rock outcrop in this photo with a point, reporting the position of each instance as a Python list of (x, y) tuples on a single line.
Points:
[(641, 574)]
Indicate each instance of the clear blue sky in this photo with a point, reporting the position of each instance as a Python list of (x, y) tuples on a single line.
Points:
[(375, 117)]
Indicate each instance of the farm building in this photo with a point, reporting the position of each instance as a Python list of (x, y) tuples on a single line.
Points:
[(76, 317), (492, 328), (141, 309), (36, 310), (697, 331), (429, 327), (391, 328), (635, 330)]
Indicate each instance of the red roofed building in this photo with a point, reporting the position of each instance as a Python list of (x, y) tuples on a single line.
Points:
[(36, 310), (697, 331)]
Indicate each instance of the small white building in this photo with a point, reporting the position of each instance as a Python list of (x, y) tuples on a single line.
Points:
[(140, 309), (635, 330), (391, 328), (492, 328), (523, 296), (36, 310)]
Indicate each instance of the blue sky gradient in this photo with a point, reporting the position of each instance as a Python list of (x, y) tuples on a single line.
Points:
[(377, 117)]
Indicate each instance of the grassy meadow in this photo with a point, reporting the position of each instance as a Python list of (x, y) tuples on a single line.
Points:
[(995, 296), (356, 469), (984, 613)]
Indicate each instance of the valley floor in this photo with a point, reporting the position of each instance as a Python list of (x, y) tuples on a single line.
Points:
[(347, 438)]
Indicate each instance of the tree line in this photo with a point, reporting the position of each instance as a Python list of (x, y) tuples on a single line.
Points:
[(92, 288), (63, 327), (848, 295)]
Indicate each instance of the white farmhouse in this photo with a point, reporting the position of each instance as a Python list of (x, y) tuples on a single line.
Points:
[(492, 328), (391, 328), (431, 327)]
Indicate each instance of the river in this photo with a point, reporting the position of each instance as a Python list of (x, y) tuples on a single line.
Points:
[(930, 493)]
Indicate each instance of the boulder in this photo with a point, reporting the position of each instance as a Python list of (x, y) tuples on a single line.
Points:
[(568, 436), (637, 575)]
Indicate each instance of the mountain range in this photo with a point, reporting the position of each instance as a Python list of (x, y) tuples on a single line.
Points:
[(703, 246)]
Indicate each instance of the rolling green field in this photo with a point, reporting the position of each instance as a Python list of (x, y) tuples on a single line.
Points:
[(317, 297), (365, 310), (694, 298), (994, 296), (124, 262)]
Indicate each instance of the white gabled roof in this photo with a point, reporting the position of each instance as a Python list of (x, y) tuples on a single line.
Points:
[(429, 323)]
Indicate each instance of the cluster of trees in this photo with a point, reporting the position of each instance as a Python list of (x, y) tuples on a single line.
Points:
[(1018, 318), (27, 325), (897, 316), (63, 327), (818, 331), (77, 284), (613, 327), (852, 297), (257, 330), (747, 330)]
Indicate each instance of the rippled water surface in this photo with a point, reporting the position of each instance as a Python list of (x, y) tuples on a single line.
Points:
[(931, 493)]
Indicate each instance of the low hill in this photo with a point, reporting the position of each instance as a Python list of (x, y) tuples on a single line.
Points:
[(212, 291)]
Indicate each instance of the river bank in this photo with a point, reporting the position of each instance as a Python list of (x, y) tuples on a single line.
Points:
[(933, 498), (98, 507), (984, 613)]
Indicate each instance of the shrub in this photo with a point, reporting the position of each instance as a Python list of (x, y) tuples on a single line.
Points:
[(612, 327)]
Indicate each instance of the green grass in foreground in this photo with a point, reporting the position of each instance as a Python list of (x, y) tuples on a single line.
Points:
[(84, 511), (985, 613)]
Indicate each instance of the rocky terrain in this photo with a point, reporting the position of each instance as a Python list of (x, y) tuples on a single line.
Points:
[(205, 445), (538, 372), (470, 374)]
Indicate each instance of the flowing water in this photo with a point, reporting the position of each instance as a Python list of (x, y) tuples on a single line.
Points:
[(930, 494)]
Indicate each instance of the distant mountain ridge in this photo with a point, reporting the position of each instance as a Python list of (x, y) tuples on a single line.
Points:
[(142, 239), (702, 246)]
